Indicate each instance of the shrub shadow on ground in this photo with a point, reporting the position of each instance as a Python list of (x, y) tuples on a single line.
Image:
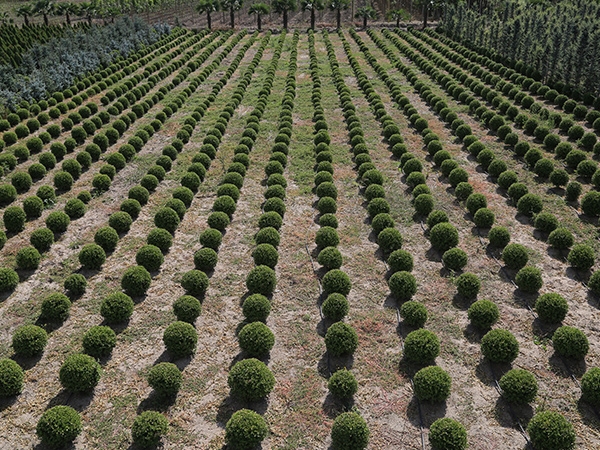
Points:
[(328, 364), (231, 404), (504, 414), (428, 413), (567, 367), (333, 406)]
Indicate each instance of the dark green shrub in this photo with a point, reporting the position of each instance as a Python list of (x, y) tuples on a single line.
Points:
[(167, 218), (530, 204), (107, 238), (59, 426), (341, 339), (581, 257), (187, 308), (140, 194), (590, 203), (550, 430), (14, 219), (545, 222), (475, 202), (75, 208), (9, 279), (432, 384), (335, 307), (55, 308), (33, 207), (515, 256), (421, 346), (463, 191), (329, 257), (499, 237), (256, 339), (468, 285), (443, 236), (457, 176), (75, 284), (245, 430), (423, 204), (180, 339), (435, 217), (11, 378), (590, 386), (507, 179), (195, 282), (250, 380), (270, 219), (165, 378), (327, 237), (570, 342), (99, 341), (150, 257), (92, 256), (389, 240), (116, 308), (256, 307), (561, 238), (518, 386), (131, 207), (336, 281), (85, 197), (79, 373), (454, 259), (484, 218), (29, 340), (483, 314), (400, 260), (413, 313), (148, 428), (551, 308), (342, 384), (499, 346), (529, 279), (349, 431), (120, 221), (63, 181), (211, 238), (21, 181), (447, 434)]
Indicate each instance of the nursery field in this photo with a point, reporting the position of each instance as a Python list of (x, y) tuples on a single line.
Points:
[(310, 227)]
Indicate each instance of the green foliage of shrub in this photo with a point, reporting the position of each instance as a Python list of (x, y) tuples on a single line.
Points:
[(454, 259), (180, 339), (349, 432), (9, 279), (570, 342), (165, 378), (389, 240), (336, 281), (432, 384), (33, 207), (421, 346), (342, 384), (499, 346), (256, 339), (250, 380), (341, 339), (14, 219), (518, 386), (99, 341), (443, 236), (529, 279), (483, 314), (335, 307), (167, 218), (187, 308), (148, 428), (549, 430), (79, 373), (447, 434), (330, 258), (29, 340), (413, 313), (581, 257), (59, 426), (150, 257), (245, 430), (55, 308), (590, 386), (468, 285), (116, 308), (195, 282), (11, 378)]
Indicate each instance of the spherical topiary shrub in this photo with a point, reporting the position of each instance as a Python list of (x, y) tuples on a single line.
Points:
[(33, 207), (121, 221), (167, 218), (270, 219), (261, 280), (342, 384), (327, 237), (400, 260), (581, 257), (341, 339), (79, 373), (349, 432), (11, 378), (403, 285), (529, 279), (551, 308), (468, 285), (29, 340), (549, 430), (150, 257), (55, 308), (92, 256), (211, 238), (58, 426), (195, 282), (256, 308), (590, 386), (336, 281), (389, 240), (250, 380), (148, 428), (218, 220), (499, 346), (75, 284), (180, 338), (245, 430), (570, 342), (432, 384), (483, 314), (187, 308), (447, 434), (107, 238), (435, 217), (28, 258), (99, 341), (116, 307), (414, 313), (475, 202), (330, 258), (382, 221), (421, 346), (454, 259), (9, 279), (136, 281), (14, 219), (205, 259), (484, 218), (515, 256), (165, 378), (265, 255), (256, 339), (335, 307), (518, 386), (443, 236)]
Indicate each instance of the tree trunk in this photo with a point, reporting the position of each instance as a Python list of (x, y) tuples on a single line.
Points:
[(232, 17), (285, 19), (312, 18), (208, 20), (425, 11), (259, 22), (339, 18)]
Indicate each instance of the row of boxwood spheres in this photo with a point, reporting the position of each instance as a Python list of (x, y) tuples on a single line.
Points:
[(349, 430)]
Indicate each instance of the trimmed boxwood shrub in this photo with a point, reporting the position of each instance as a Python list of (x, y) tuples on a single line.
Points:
[(530, 204), (484, 218), (136, 281), (329, 257), (205, 259), (529, 279), (150, 257), (499, 237), (29, 340), (413, 313), (342, 384), (443, 236), (75, 284), (148, 428), (92, 256), (270, 219), (447, 434), (9, 279), (120, 221), (341, 339), (250, 380), (455, 259), (468, 285), (550, 430), (187, 308), (336, 281), (33, 207), (245, 430), (435, 217), (79, 373), (167, 218), (349, 432), (581, 257), (107, 238), (515, 256), (256, 339), (99, 341), (131, 207), (140, 194), (59, 426), (116, 308), (165, 378), (518, 386), (389, 240), (195, 282), (256, 307), (483, 314), (546, 222), (180, 339), (335, 307), (211, 238), (402, 284), (432, 384), (55, 308), (327, 237), (570, 342), (421, 346), (14, 219), (499, 346), (11, 378), (590, 386)]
